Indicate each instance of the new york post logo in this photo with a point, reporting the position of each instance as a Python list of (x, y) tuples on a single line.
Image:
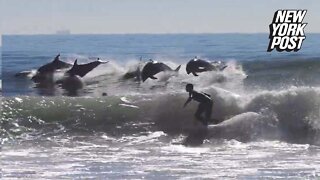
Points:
[(287, 30)]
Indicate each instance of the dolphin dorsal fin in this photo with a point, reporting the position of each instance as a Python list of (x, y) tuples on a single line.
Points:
[(75, 62), (57, 57), (178, 68)]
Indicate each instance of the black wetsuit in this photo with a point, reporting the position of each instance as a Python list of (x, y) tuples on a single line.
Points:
[(205, 106)]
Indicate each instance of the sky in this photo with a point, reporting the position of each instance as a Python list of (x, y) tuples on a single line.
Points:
[(148, 16)]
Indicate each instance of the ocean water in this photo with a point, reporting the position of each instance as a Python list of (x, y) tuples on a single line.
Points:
[(269, 104)]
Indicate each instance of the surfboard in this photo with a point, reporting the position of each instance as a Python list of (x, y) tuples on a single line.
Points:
[(196, 137)]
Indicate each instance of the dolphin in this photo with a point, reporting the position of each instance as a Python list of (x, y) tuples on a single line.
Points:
[(54, 65), (83, 69), (72, 81), (136, 74), (153, 67), (198, 65), (44, 74)]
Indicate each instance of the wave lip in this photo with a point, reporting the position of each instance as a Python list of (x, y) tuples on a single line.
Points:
[(296, 110), (245, 127)]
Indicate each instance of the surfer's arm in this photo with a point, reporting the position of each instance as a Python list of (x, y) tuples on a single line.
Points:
[(188, 100)]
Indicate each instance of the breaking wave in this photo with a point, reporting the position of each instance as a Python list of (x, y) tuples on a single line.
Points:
[(291, 115)]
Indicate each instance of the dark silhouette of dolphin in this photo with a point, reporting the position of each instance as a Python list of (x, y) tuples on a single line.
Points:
[(72, 81), (153, 67), (198, 65), (83, 69), (45, 73), (54, 65), (134, 74)]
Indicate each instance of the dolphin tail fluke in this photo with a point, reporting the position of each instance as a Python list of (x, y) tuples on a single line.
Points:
[(178, 68)]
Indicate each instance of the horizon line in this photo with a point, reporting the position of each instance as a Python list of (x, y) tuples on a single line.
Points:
[(174, 33), (156, 33)]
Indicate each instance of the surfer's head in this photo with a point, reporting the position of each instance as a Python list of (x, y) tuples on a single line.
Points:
[(189, 87)]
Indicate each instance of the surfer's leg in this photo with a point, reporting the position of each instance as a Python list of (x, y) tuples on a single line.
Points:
[(208, 110), (200, 110), (198, 113), (208, 114)]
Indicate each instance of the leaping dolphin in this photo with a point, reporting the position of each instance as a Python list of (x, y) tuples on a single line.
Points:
[(54, 65), (72, 81), (134, 74), (45, 73), (198, 65), (83, 69), (153, 67)]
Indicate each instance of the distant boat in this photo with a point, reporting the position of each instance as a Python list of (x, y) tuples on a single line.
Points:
[(63, 32)]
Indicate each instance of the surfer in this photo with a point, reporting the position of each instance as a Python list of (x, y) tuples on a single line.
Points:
[(205, 104)]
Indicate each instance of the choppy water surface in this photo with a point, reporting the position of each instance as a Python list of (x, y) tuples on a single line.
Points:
[(154, 156), (270, 105)]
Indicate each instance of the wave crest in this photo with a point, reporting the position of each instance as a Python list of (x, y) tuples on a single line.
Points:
[(290, 115)]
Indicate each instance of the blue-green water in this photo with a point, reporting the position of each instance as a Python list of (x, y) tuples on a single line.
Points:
[(269, 103), (22, 53)]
